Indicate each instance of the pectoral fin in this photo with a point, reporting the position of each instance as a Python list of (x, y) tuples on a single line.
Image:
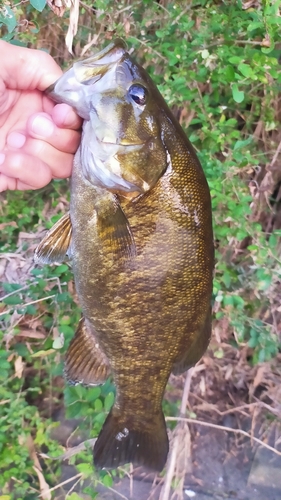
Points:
[(56, 243), (85, 363), (114, 231)]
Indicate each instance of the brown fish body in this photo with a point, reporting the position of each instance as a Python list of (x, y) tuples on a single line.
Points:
[(146, 298)]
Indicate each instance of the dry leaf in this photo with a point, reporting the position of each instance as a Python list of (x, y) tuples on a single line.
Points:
[(5, 224), (32, 334), (127, 26), (202, 386), (266, 41), (259, 376), (19, 366), (73, 24), (88, 45), (58, 6), (44, 487)]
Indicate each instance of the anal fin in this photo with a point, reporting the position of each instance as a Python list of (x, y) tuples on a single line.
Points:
[(85, 362), (55, 245)]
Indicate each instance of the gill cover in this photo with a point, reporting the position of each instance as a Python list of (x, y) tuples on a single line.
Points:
[(122, 147)]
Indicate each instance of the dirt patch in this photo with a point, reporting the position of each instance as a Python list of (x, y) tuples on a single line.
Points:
[(234, 417)]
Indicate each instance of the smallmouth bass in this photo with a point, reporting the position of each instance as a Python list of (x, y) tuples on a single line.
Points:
[(140, 241)]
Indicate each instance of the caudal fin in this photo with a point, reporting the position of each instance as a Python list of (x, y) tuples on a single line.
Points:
[(122, 441)]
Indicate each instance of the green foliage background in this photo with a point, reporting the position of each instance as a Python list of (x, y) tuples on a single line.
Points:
[(217, 65)]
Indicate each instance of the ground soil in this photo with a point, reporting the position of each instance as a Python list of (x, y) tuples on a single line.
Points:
[(219, 463)]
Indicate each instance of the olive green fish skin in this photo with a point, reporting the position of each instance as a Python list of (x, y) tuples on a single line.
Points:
[(150, 310)]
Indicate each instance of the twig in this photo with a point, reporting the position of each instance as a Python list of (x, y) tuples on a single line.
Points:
[(19, 306), (114, 491), (186, 390), (33, 282), (72, 451), (73, 486), (223, 428), (165, 492), (211, 407), (131, 480), (15, 291), (150, 49), (80, 475), (276, 154)]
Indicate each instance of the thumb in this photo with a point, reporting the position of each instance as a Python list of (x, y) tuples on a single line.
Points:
[(27, 69)]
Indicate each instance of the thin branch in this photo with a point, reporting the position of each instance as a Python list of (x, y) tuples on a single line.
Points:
[(19, 306), (72, 451), (223, 428), (114, 491), (150, 49), (276, 154), (80, 475), (33, 282), (165, 492)]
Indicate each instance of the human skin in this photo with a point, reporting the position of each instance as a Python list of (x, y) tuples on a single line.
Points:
[(37, 138)]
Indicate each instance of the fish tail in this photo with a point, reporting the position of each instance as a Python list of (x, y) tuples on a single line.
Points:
[(123, 440)]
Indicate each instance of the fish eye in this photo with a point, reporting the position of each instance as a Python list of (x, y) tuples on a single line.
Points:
[(138, 93)]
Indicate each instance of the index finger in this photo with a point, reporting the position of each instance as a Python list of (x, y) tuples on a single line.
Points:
[(65, 116)]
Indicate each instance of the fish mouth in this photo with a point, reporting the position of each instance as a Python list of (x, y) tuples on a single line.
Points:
[(75, 85), (123, 144)]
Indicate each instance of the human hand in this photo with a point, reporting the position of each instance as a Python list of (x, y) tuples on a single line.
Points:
[(37, 138)]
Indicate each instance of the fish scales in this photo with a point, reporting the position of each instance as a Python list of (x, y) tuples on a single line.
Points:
[(141, 247)]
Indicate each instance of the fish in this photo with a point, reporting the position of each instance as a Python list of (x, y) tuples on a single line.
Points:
[(140, 242)]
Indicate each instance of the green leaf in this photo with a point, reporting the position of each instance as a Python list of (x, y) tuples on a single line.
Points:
[(245, 69), (109, 400), (38, 4), (42, 354), (85, 468), (205, 53), (62, 268), (12, 300), (255, 25), (58, 342), (7, 17), (93, 393), (235, 60), (229, 73), (74, 410), (74, 496), (107, 481), (242, 144), (98, 405), (67, 330), (238, 95)]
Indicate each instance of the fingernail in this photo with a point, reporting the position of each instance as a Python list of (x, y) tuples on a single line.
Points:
[(16, 140), (2, 158), (42, 126)]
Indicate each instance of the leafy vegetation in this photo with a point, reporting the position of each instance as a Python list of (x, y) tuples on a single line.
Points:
[(216, 63)]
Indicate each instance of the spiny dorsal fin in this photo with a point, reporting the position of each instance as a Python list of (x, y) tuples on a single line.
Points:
[(114, 230), (55, 244), (85, 363)]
